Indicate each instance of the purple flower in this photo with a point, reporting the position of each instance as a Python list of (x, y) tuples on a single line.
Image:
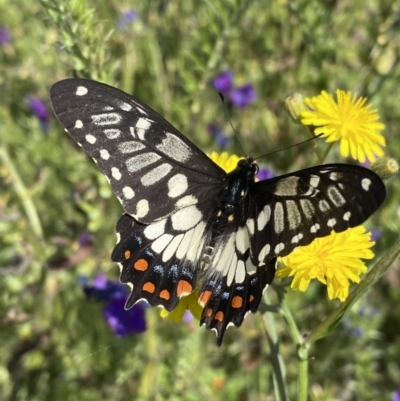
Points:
[(265, 174), (124, 322), (243, 95), (85, 239), (222, 140), (223, 82), (375, 234), (396, 395), (39, 108), (4, 36), (103, 289), (126, 18)]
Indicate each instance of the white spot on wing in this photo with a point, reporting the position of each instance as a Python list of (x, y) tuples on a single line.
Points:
[(287, 186), (78, 124), (366, 183), (296, 239), (128, 192), (315, 228), (242, 240), (335, 196), (307, 207), (347, 216), (104, 154), (142, 208), (264, 252), (177, 185), (130, 146), (125, 106), (142, 125), (250, 226), (90, 138), (331, 222), (116, 173), (240, 272), (293, 214), (195, 245), (314, 180), (323, 205), (81, 91)]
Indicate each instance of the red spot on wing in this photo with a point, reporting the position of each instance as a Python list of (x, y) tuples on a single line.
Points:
[(141, 264), (165, 294), (149, 287), (219, 316), (237, 302), (183, 288), (204, 298), (127, 254)]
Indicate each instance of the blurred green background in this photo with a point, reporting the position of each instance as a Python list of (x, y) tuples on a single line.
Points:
[(54, 341)]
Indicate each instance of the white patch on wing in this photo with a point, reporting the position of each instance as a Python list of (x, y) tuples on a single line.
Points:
[(335, 196), (250, 268), (187, 200), (263, 217), (142, 208), (81, 91), (106, 119), (196, 243), (130, 146), (331, 222), (264, 252), (174, 147), (172, 247), (279, 220), (323, 205), (154, 230), (161, 242), (156, 174), (242, 240), (137, 163), (307, 207), (240, 272), (177, 185), (287, 186), (250, 226), (280, 247), (142, 125), (185, 219), (112, 133), (78, 124), (293, 214)]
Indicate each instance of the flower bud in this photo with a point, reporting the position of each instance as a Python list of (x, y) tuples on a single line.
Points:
[(385, 167), (295, 106)]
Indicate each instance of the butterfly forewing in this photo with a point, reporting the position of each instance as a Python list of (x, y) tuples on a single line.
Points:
[(294, 209), (152, 168), (188, 225)]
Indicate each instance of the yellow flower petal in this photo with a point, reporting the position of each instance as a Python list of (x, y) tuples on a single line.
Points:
[(334, 260), (348, 120)]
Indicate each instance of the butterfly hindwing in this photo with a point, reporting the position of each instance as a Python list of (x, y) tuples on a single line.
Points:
[(152, 168)]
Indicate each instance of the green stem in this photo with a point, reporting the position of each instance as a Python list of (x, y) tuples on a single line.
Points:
[(310, 131), (302, 352), (328, 149), (22, 193), (372, 276), (277, 363)]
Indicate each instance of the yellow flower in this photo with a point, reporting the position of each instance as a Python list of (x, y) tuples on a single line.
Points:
[(349, 120), (333, 260), (189, 302), (228, 164)]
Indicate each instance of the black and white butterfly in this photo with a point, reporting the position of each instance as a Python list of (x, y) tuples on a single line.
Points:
[(187, 223)]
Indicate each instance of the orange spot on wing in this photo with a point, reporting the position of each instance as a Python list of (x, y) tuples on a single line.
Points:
[(149, 287), (219, 316), (251, 298), (204, 298), (141, 264), (183, 288), (209, 312), (127, 254), (164, 294), (237, 302)]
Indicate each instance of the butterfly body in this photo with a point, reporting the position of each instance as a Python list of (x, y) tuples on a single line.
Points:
[(189, 225)]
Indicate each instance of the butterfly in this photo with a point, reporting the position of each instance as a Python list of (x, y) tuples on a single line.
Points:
[(190, 225)]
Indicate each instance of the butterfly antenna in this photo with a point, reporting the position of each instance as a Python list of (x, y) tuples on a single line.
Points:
[(288, 147), (230, 122)]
